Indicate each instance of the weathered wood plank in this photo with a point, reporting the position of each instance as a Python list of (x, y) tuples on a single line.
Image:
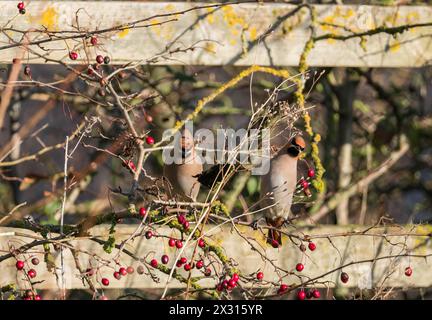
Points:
[(243, 34), (328, 256)]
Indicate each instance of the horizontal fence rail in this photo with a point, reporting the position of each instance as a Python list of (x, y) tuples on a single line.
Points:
[(373, 257), (237, 34)]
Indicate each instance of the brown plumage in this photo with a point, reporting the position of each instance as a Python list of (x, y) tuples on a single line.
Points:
[(182, 177), (278, 187)]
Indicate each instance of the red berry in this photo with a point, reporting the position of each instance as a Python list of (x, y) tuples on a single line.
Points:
[(260, 275), (207, 272), (275, 243), (302, 248), (179, 244), (235, 277), (187, 267), (408, 271), (150, 140), (301, 295), (19, 265), (99, 59), (154, 263), (232, 283), (140, 269), (149, 234), (219, 287), (73, 55), (311, 173), (31, 273), (344, 277), (20, 5), (38, 297), (123, 271), (105, 282), (94, 41), (142, 212), (131, 165), (299, 267), (179, 264), (181, 219), (316, 294), (199, 264), (225, 284), (171, 242), (201, 243), (183, 260), (164, 259), (130, 270), (186, 225), (283, 287), (311, 246), (117, 275), (305, 184)]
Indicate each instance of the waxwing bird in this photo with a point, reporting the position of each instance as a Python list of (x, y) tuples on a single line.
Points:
[(278, 187), (182, 177)]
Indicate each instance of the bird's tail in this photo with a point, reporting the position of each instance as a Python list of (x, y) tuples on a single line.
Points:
[(274, 238)]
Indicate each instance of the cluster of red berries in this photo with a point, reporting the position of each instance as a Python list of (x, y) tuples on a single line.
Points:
[(21, 7), (312, 246), (301, 295), (31, 273), (228, 284), (181, 218), (123, 272), (175, 243), (30, 295), (100, 59)]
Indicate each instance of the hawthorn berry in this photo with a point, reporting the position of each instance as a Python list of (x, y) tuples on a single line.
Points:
[(94, 41), (187, 267), (73, 55), (305, 184), (302, 248), (207, 272), (179, 264), (164, 259), (37, 297), (183, 260), (186, 225), (311, 246), (131, 164), (199, 264), (316, 294), (181, 219), (130, 270), (260, 275), (22, 11), (149, 234), (311, 173), (32, 273), (122, 271), (107, 60), (20, 5), (179, 244), (225, 284), (275, 243), (140, 269), (154, 263), (150, 140), (99, 59), (142, 212), (299, 267), (408, 271), (219, 287), (19, 265), (171, 242), (201, 243), (283, 287), (35, 261), (235, 277), (344, 277), (301, 295), (105, 282), (117, 275), (232, 283)]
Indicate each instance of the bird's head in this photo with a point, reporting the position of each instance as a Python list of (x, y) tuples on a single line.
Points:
[(186, 143), (296, 146)]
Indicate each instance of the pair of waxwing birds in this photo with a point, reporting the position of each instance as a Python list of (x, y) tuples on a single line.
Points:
[(277, 186)]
